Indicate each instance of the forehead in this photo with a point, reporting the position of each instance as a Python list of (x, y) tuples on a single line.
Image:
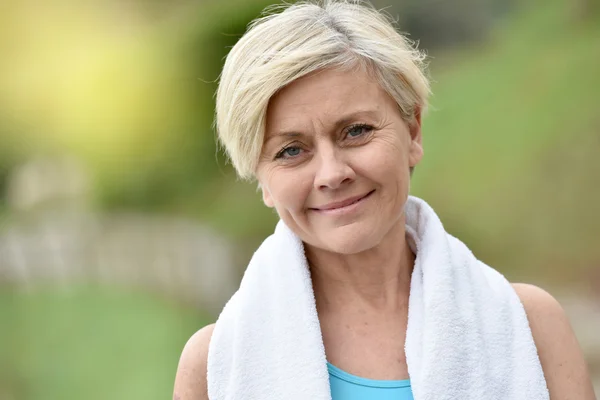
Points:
[(325, 95)]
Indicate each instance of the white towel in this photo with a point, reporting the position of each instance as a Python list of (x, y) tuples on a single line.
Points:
[(467, 338)]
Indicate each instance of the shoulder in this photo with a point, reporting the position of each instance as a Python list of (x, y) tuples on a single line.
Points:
[(560, 354), (538, 303), (190, 380)]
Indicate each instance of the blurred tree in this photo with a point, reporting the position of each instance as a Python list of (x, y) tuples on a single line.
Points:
[(9, 157), (586, 9), (437, 24)]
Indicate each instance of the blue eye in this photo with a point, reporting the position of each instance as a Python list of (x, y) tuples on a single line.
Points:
[(292, 151), (289, 152), (358, 130)]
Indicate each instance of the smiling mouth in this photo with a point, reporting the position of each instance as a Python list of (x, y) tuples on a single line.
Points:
[(343, 204)]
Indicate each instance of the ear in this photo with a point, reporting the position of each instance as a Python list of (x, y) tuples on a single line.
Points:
[(416, 139), (266, 195)]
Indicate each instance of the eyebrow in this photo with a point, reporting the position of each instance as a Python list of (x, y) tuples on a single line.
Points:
[(286, 134), (344, 120)]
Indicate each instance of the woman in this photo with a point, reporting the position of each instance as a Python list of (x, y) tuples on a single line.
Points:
[(322, 104)]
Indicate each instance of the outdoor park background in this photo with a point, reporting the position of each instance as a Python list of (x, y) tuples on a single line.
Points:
[(123, 229)]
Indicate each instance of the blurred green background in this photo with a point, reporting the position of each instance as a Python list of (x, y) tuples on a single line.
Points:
[(123, 229)]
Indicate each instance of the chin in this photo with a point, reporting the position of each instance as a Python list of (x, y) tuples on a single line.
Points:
[(351, 240)]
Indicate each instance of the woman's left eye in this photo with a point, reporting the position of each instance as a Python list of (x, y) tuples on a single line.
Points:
[(358, 130)]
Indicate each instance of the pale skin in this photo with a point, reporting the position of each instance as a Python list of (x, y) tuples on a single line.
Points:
[(336, 135)]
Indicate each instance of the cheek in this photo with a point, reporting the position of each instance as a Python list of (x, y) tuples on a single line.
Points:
[(386, 165), (385, 161), (289, 191)]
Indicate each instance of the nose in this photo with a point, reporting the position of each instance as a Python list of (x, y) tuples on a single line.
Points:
[(332, 171)]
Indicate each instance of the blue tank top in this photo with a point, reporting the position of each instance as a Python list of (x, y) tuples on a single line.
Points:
[(345, 386)]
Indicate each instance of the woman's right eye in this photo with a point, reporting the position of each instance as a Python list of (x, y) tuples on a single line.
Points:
[(289, 152)]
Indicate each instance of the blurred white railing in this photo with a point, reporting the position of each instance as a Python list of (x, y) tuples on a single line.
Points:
[(53, 235), (174, 256)]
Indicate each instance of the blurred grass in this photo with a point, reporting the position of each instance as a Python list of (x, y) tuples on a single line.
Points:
[(509, 160), (91, 343)]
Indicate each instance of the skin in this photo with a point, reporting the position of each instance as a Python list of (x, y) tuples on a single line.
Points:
[(330, 136)]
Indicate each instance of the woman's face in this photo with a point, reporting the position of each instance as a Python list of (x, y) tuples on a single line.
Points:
[(336, 158)]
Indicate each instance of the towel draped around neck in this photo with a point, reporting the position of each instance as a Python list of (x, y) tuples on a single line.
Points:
[(467, 336)]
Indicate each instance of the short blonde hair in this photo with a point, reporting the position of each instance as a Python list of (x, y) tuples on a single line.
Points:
[(283, 46)]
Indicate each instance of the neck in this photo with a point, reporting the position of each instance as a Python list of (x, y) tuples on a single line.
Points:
[(377, 279)]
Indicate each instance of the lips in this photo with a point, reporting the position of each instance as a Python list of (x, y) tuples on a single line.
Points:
[(343, 203)]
